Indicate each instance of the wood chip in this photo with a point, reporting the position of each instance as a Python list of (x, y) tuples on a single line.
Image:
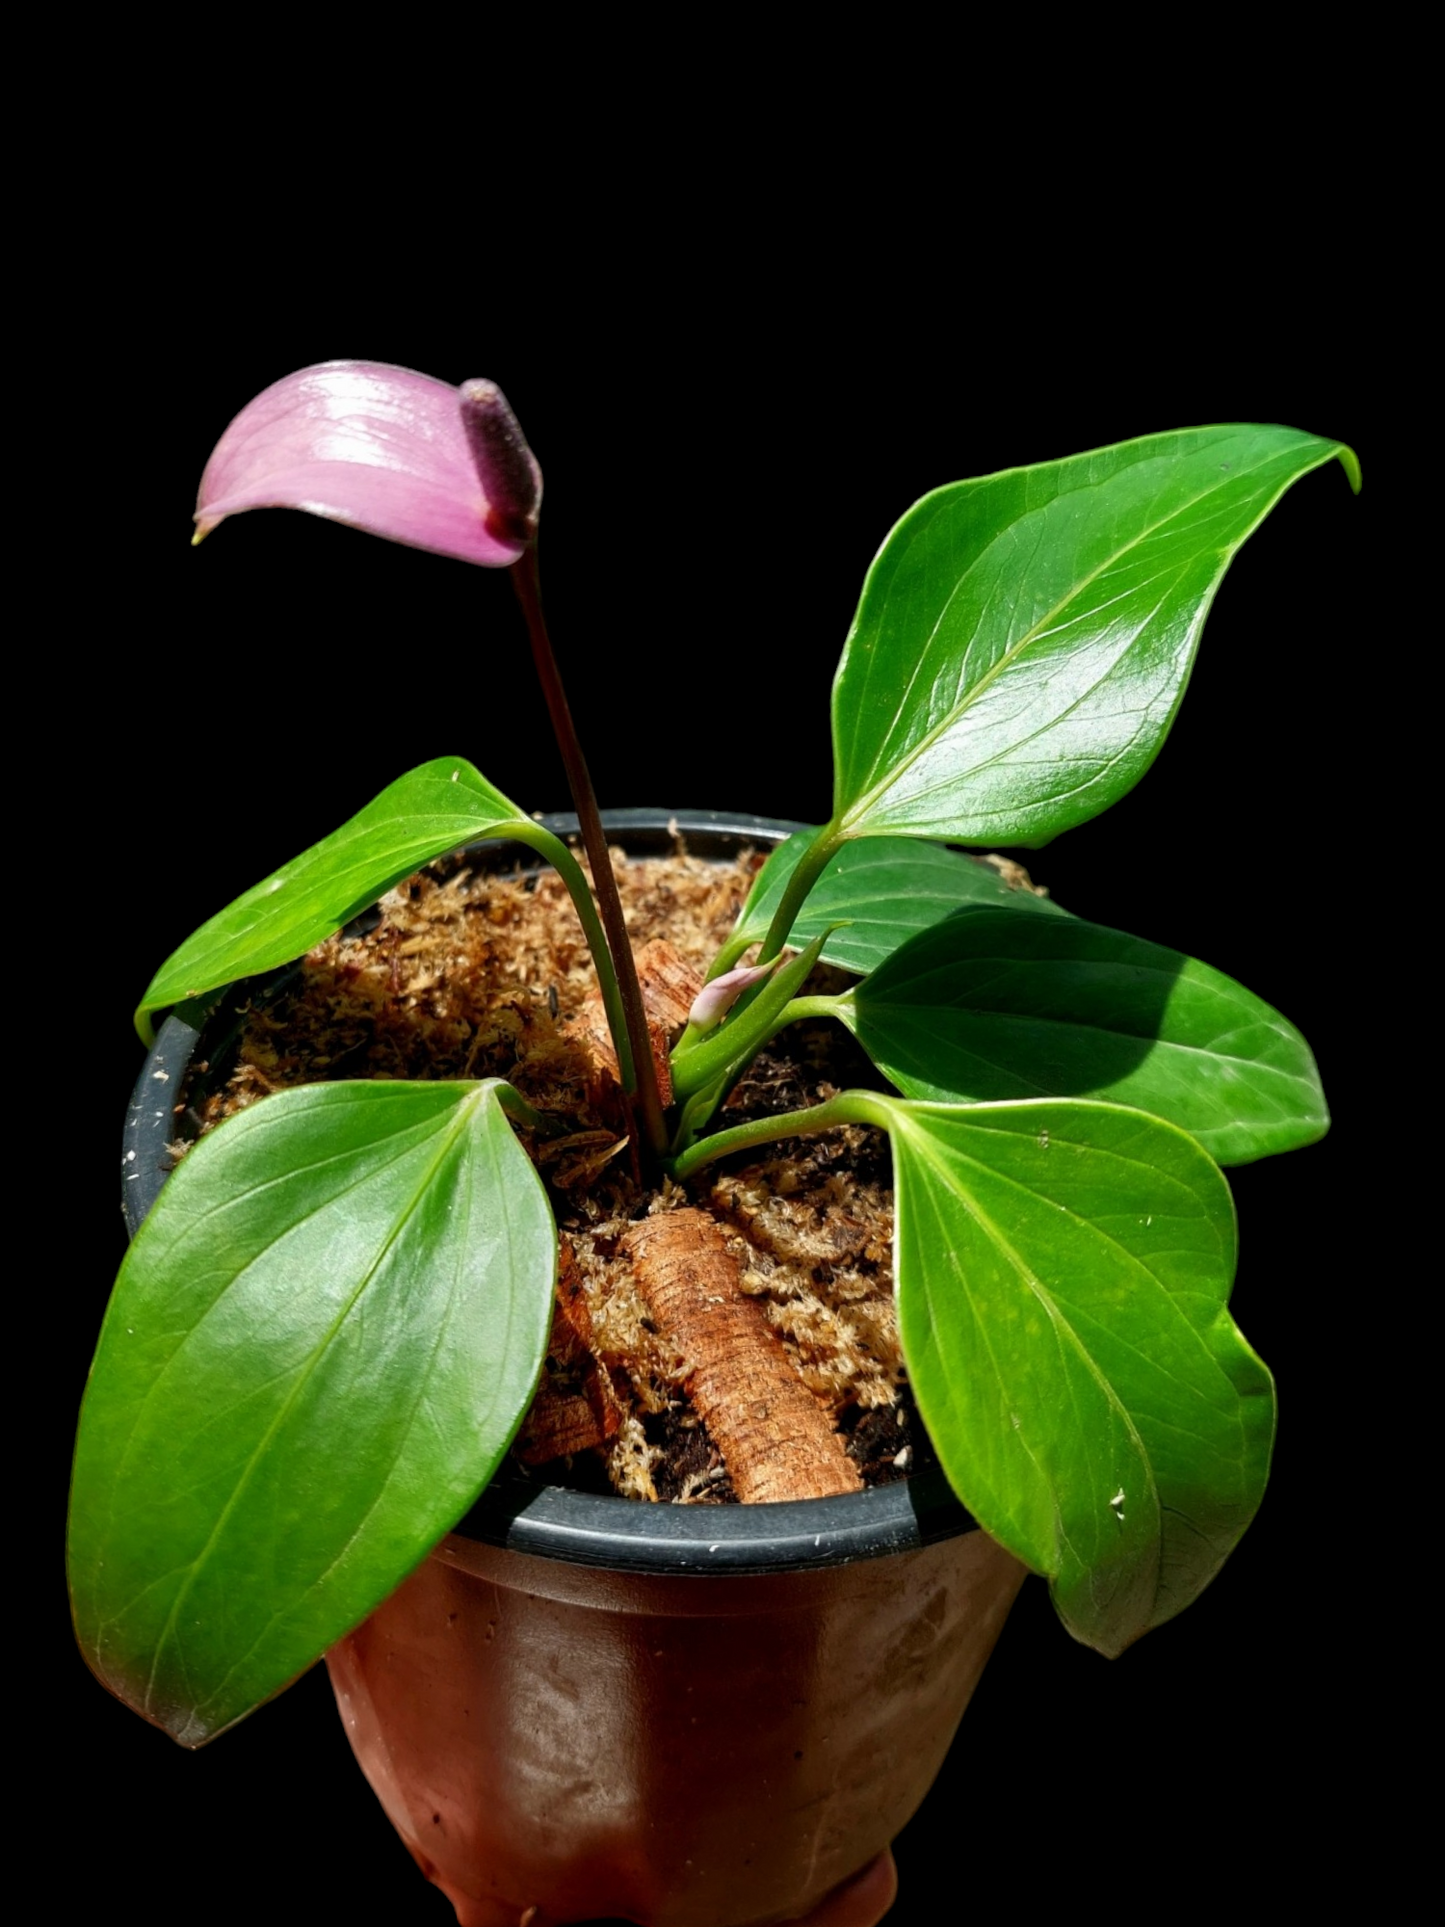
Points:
[(669, 984), (575, 1407), (774, 1437)]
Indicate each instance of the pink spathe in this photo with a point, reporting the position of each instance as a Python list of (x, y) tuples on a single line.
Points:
[(381, 448)]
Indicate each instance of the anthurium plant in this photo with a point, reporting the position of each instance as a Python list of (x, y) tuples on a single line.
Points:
[(328, 1330)]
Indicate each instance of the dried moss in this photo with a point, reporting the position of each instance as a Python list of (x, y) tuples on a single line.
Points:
[(463, 972)]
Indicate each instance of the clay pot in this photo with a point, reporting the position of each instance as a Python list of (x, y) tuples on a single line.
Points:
[(671, 1747), (672, 1716)]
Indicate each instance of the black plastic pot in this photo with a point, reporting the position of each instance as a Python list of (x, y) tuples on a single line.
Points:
[(678, 1716)]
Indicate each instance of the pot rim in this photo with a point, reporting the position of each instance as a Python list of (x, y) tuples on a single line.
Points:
[(583, 1528)]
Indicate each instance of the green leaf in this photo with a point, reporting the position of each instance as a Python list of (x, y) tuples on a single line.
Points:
[(1063, 1271), (989, 1004), (320, 1345), (884, 888), (422, 815), (1023, 641)]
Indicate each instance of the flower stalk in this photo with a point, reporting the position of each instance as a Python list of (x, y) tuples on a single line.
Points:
[(639, 1079)]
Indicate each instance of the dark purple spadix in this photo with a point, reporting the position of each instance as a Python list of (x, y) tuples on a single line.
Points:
[(506, 467)]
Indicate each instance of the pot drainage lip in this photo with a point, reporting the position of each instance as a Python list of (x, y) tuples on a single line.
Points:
[(628, 1535)]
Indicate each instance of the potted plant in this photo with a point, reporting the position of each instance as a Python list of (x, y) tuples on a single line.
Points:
[(960, 1146)]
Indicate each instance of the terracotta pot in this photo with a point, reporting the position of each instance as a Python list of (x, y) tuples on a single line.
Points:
[(669, 1747), (673, 1716)]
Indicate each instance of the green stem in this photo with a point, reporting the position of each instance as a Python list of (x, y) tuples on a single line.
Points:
[(728, 955), (814, 861), (521, 1112), (743, 1032), (555, 851), (848, 1107), (804, 1007), (694, 1072), (643, 1083)]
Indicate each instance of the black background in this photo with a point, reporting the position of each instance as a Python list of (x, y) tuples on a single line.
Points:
[(730, 416)]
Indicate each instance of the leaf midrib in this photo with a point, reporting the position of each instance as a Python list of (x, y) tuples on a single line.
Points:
[(305, 905), (1130, 1258), (449, 1136), (422, 1381), (1060, 1323)]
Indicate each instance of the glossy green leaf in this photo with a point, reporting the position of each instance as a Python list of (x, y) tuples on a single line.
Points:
[(1023, 641), (881, 890), (988, 1004), (1063, 1271), (422, 815), (321, 1342)]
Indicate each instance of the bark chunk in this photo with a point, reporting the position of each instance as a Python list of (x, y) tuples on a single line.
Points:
[(668, 983), (774, 1437), (575, 1407)]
